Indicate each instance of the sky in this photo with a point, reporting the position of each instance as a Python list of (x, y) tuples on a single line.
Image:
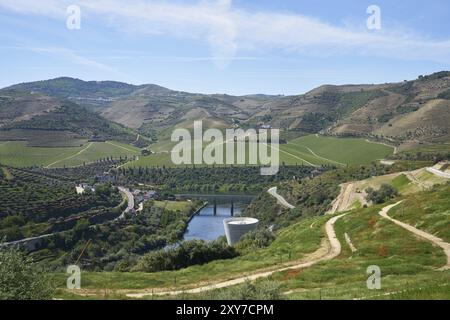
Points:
[(224, 46)]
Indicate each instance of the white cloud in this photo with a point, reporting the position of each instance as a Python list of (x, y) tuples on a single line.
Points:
[(74, 57), (229, 30)]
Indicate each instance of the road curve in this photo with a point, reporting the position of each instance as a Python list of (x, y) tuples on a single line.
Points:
[(323, 158), (422, 234), (273, 192), (130, 198), (332, 248)]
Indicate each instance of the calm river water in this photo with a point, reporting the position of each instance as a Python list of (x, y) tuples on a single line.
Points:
[(207, 226)]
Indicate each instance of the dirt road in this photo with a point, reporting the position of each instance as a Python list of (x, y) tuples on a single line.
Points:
[(328, 250), (70, 157), (342, 202), (280, 199), (422, 234)]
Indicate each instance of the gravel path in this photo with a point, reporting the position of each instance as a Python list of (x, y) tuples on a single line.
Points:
[(328, 250), (273, 192), (422, 234)]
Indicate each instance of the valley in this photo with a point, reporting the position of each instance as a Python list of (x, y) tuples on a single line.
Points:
[(86, 173)]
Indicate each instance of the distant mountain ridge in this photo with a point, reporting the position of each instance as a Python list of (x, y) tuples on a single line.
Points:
[(411, 111)]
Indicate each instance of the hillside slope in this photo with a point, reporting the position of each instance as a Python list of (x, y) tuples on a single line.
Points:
[(18, 105), (47, 121), (406, 114), (77, 120), (146, 105), (408, 263)]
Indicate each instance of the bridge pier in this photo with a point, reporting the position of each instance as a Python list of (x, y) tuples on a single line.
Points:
[(215, 207), (232, 208)]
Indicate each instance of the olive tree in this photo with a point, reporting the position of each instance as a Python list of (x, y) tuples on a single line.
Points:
[(21, 279)]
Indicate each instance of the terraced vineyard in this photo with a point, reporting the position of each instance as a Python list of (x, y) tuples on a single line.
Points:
[(32, 203)]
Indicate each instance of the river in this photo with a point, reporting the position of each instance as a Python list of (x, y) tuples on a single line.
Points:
[(207, 226)]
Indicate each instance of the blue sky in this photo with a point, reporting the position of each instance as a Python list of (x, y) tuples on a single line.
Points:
[(223, 46)]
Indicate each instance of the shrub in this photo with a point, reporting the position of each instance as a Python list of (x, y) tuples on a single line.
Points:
[(21, 279), (381, 195), (185, 254), (254, 239), (264, 290)]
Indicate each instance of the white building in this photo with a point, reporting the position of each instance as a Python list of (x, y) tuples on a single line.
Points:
[(235, 228)]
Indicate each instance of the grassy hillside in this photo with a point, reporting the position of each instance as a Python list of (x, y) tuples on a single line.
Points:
[(428, 211), (95, 93), (18, 105), (308, 150), (404, 113), (77, 120), (16, 153), (347, 151), (291, 244), (407, 263)]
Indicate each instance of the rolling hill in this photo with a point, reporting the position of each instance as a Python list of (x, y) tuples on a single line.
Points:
[(51, 121), (146, 105), (405, 114), (411, 111), (16, 105)]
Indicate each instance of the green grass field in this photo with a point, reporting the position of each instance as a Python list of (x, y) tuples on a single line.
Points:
[(308, 150), (17, 154), (341, 150), (428, 211), (409, 265), (404, 261), (292, 243), (400, 182)]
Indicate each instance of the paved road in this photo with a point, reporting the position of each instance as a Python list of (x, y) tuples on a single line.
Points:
[(280, 199), (30, 243), (437, 241), (130, 198)]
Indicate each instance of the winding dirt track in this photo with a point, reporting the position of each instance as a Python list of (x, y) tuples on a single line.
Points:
[(342, 202), (280, 200), (328, 250), (323, 158), (422, 234), (70, 157)]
